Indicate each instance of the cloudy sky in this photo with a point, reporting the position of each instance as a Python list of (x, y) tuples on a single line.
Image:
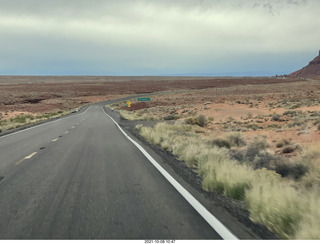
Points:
[(157, 37)]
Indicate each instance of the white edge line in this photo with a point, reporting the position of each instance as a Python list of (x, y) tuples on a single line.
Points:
[(48, 123), (222, 230)]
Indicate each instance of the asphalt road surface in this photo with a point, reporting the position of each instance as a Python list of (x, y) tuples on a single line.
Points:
[(81, 178)]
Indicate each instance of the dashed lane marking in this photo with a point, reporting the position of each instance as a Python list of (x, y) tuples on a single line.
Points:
[(66, 132), (27, 157), (55, 139)]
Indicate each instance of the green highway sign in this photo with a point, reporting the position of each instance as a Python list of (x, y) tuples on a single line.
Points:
[(140, 99)]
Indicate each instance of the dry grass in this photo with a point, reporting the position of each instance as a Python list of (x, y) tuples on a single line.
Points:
[(26, 119), (286, 207), (140, 115)]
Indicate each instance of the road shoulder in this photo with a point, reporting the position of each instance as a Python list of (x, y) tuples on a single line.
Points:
[(230, 212)]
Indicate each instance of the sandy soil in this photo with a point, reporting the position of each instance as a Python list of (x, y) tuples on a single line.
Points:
[(235, 107), (40, 94), (230, 102)]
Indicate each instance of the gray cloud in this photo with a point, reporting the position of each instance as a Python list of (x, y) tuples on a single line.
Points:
[(154, 36)]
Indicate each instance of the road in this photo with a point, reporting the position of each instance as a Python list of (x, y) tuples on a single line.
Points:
[(80, 178)]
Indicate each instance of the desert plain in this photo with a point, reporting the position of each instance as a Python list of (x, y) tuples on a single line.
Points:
[(266, 128), (278, 108)]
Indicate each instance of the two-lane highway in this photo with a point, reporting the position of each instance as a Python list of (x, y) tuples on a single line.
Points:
[(81, 178)]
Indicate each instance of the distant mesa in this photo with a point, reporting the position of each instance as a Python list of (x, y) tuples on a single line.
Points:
[(312, 69)]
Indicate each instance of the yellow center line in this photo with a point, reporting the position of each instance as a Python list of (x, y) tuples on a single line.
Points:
[(27, 157), (55, 139)]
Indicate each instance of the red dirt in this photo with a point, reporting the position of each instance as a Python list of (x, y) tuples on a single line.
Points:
[(39, 94), (235, 104)]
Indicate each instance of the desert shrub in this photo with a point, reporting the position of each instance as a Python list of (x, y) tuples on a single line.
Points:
[(290, 113), (252, 126), (289, 149), (138, 127), (311, 159), (271, 200), (238, 155), (290, 213), (191, 121), (298, 105), (201, 120), (236, 140), (220, 174), (318, 127), (264, 159), (314, 114), (291, 170), (19, 119), (310, 224), (273, 126), (256, 155), (171, 117), (274, 204), (219, 143), (260, 116), (259, 143), (131, 115), (230, 119), (275, 117), (282, 143)]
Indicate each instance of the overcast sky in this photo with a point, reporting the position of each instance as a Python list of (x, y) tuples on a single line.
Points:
[(157, 37)]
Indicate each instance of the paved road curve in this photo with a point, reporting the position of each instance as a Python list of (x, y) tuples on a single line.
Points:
[(80, 178)]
